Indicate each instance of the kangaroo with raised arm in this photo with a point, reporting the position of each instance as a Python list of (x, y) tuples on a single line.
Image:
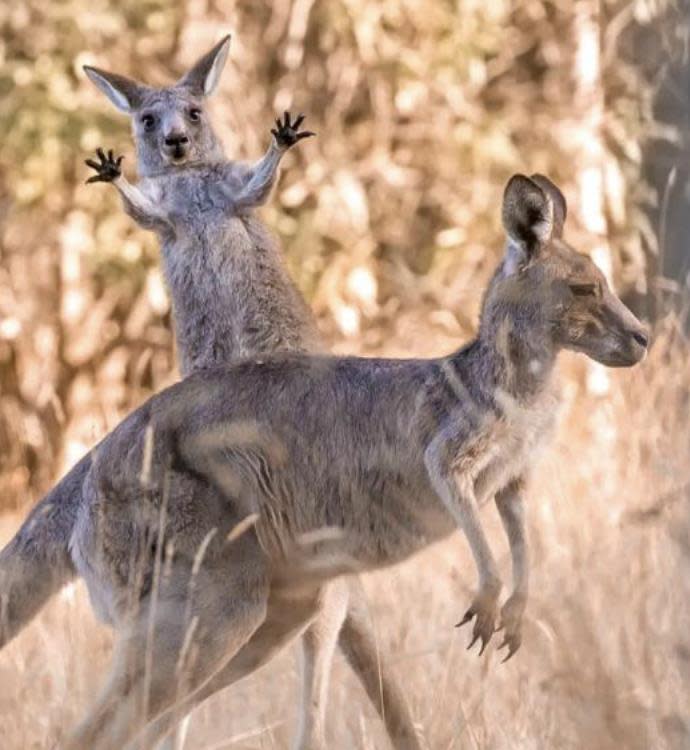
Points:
[(232, 297), (395, 454), (231, 293)]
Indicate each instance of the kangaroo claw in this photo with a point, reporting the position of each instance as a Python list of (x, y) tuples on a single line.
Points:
[(511, 622), (484, 609), (107, 168), (287, 133), (512, 644)]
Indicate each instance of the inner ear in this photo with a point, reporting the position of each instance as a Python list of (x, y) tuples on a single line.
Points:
[(528, 214), (560, 207), (123, 92), (202, 79)]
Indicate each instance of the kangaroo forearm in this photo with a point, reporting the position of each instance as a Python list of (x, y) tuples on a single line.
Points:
[(458, 498), (141, 208), (510, 504), (260, 179)]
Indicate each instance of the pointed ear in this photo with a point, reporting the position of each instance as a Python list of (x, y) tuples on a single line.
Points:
[(203, 78), (560, 207), (527, 217), (124, 93)]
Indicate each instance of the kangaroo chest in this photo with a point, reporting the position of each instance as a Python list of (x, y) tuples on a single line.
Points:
[(231, 295), (508, 443)]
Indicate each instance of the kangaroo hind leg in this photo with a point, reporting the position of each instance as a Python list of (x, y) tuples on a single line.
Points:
[(176, 643)]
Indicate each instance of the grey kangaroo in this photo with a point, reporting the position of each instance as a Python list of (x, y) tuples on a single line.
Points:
[(232, 297), (394, 454)]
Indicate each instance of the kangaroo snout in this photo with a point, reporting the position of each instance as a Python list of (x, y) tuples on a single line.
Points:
[(632, 335), (638, 343), (176, 145), (641, 338)]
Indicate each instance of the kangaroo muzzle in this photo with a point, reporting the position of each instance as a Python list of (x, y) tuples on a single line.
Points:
[(176, 146)]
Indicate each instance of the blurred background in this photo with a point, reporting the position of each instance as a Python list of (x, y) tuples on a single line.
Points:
[(390, 221)]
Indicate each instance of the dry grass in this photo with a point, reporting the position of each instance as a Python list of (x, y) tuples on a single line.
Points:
[(606, 656)]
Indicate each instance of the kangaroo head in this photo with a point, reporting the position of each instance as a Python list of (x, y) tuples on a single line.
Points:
[(170, 125), (545, 284)]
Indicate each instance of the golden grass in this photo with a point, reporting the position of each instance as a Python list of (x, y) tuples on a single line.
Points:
[(605, 661)]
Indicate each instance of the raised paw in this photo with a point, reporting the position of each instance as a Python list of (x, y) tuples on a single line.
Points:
[(107, 170), (287, 133), (485, 609), (511, 624)]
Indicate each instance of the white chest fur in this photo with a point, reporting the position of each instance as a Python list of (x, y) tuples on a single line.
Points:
[(511, 442)]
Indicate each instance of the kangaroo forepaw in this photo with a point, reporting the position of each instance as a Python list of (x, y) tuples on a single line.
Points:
[(287, 133), (485, 609), (511, 623), (107, 169)]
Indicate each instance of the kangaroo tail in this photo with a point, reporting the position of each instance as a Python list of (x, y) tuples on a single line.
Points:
[(36, 563)]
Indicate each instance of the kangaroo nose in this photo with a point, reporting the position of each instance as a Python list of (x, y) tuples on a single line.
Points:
[(641, 338), (176, 139)]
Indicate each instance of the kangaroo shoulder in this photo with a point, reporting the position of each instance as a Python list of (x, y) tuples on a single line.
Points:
[(235, 173)]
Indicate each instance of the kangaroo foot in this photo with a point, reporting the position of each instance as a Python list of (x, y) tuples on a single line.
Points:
[(511, 623), (484, 608), (107, 170), (287, 133)]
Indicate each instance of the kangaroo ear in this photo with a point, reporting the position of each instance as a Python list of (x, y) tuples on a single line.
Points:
[(124, 93), (203, 77), (527, 219), (560, 207)]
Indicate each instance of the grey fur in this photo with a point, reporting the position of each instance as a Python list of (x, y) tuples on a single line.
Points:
[(394, 454)]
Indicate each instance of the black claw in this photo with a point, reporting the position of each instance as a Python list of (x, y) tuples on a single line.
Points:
[(107, 168), (468, 616), (484, 642), (512, 645), (475, 638), (286, 133)]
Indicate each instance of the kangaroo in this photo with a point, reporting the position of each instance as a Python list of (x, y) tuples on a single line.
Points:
[(395, 454), (232, 297)]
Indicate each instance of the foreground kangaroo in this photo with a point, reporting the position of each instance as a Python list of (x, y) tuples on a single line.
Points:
[(231, 297), (395, 454)]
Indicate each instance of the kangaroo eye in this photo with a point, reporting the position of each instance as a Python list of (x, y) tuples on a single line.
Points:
[(584, 290), (195, 115), (149, 122)]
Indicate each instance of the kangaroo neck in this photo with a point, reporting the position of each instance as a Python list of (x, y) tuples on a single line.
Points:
[(509, 358)]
